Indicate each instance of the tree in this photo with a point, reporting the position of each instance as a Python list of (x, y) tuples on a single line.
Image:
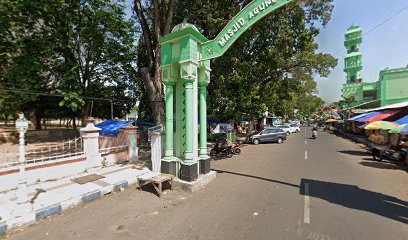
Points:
[(82, 50), (271, 66), (155, 18)]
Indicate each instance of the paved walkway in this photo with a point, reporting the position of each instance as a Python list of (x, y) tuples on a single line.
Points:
[(51, 198)]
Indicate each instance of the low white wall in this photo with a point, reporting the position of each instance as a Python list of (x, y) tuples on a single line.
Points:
[(10, 181)]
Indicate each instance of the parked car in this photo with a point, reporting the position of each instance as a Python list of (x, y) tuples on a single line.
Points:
[(268, 135), (285, 128), (294, 128), (296, 122)]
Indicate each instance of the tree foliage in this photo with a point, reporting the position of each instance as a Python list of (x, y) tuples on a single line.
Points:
[(58, 54), (271, 67)]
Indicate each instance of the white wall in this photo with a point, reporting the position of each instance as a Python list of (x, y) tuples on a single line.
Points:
[(10, 181)]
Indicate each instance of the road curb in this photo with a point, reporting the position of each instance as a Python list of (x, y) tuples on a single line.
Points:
[(10, 225), (48, 211)]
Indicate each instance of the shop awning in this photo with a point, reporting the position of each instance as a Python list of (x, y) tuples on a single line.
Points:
[(403, 120), (357, 117), (369, 115), (383, 115)]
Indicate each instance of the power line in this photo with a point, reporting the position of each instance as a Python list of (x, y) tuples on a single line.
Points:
[(378, 25), (56, 94)]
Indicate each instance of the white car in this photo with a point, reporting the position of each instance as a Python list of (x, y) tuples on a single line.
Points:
[(295, 122), (294, 128), (285, 128)]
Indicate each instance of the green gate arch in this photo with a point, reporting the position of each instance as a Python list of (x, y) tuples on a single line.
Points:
[(185, 66), (247, 17)]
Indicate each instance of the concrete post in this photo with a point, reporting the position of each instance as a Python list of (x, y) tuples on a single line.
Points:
[(90, 136), (156, 151), (131, 138)]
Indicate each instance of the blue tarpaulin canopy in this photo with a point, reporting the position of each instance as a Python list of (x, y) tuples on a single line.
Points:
[(372, 114), (357, 117), (403, 120), (112, 127)]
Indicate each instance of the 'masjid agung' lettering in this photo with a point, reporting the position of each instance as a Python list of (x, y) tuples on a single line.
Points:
[(260, 8), (231, 32), (241, 21)]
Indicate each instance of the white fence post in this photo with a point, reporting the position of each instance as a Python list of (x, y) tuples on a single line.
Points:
[(90, 136), (156, 151)]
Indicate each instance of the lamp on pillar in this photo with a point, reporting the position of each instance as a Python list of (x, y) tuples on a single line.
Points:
[(24, 206)]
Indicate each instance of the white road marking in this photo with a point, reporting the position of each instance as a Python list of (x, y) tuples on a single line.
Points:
[(305, 154), (307, 205), (305, 142)]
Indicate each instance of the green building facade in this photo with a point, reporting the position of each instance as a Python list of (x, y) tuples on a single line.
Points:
[(391, 88)]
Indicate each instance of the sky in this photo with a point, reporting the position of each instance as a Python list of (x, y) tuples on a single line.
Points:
[(386, 46)]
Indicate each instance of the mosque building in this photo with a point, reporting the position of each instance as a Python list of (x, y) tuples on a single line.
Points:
[(392, 86)]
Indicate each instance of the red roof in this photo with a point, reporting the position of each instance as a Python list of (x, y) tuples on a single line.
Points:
[(382, 115)]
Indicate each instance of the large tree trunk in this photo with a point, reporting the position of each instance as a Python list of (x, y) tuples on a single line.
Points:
[(85, 113), (154, 89), (162, 20), (36, 119), (74, 122)]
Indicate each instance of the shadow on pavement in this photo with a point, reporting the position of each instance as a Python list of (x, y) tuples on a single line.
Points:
[(351, 196), (355, 153), (218, 158), (384, 165), (256, 177)]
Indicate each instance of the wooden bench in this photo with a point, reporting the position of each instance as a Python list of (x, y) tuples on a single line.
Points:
[(157, 182)]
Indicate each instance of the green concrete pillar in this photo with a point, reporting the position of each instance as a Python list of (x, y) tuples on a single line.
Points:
[(189, 92), (203, 81), (169, 149), (203, 121)]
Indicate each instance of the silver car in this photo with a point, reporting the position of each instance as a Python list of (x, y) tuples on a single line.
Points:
[(268, 135)]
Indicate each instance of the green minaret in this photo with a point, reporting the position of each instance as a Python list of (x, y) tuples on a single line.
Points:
[(352, 61)]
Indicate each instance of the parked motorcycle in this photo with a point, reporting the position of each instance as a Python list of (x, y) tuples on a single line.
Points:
[(236, 148), (397, 156), (221, 148)]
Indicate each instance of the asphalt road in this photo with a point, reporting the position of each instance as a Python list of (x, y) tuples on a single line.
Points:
[(322, 189)]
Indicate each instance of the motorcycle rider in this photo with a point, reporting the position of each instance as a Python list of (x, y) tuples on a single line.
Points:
[(314, 130)]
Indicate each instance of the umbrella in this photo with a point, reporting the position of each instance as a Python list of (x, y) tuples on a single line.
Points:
[(382, 125), (404, 130), (331, 120), (399, 128)]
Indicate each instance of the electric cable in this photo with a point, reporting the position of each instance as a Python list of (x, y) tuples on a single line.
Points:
[(55, 94), (378, 25)]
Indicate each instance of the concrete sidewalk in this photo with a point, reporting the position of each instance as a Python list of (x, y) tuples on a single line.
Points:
[(51, 198)]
